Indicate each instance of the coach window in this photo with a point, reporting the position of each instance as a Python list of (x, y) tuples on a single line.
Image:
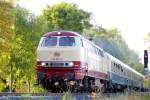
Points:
[(124, 72), (114, 67), (127, 72), (121, 69), (111, 66), (118, 68), (118, 71), (66, 41)]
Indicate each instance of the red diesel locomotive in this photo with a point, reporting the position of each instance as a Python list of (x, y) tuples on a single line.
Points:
[(66, 59)]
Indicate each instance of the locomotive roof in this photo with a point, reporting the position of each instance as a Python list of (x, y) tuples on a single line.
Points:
[(61, 33)]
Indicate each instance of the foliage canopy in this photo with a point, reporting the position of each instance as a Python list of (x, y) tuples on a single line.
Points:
[(65, 16)]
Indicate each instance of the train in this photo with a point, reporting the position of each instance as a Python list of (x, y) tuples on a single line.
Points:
[(67, 60)]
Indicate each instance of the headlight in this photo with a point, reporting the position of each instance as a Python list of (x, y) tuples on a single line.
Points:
[(70, 63), (43, 63)]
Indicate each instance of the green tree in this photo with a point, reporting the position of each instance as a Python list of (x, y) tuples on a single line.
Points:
[(66, 16), (6, 37), (28, 29), (6, 25)]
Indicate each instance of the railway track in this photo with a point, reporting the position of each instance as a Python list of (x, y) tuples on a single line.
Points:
[(70, 96), (61, 94)]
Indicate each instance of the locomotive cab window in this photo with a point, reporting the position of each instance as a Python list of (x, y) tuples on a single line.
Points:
[(66, 41), (58, 41), (49, 41)]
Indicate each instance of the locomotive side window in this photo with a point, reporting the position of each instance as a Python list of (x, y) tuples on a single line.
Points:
[(66, 41), (81, 43), (85, 44), (96, 51), (92, 48), (100, 53), (49, 41)]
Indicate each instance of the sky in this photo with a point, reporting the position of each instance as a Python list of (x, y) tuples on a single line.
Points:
[(131, 17)]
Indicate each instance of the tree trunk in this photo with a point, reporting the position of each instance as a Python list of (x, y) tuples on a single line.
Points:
[(28, 82), (11, 79)]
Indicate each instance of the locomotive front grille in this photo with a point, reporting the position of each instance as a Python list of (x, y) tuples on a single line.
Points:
[(56, 64), (59, 64)]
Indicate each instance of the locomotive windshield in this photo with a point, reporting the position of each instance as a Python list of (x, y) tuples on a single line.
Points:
[(58, 41), (66, 41), (49, 41)]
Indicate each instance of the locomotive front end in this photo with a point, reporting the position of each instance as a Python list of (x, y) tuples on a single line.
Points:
[(60, 58)]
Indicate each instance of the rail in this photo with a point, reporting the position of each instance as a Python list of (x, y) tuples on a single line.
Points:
[(72, 96)]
